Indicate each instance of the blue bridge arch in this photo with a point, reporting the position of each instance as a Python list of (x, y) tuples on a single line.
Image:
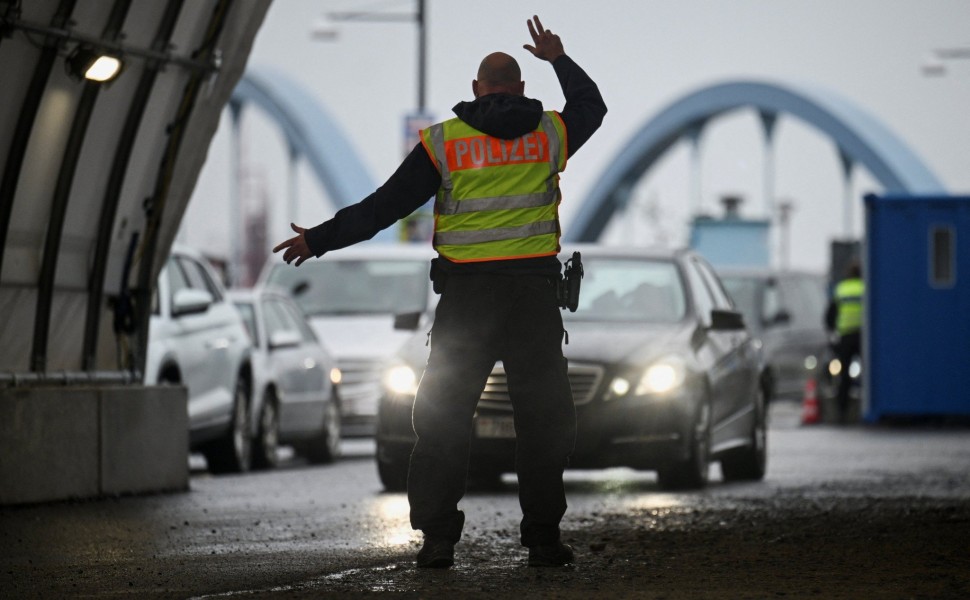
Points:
[(309, 130), (860, 138)]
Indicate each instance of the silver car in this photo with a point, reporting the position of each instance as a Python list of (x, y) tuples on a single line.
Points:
[(197, 339), (351, 297), (292, 383)]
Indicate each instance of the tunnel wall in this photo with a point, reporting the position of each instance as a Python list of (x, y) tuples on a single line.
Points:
[(59, 443)]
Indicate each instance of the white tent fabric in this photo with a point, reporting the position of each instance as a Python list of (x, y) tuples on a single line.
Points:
[(90, 171)]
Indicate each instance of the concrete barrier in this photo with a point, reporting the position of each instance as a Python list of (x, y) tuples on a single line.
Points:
[(72, 442)]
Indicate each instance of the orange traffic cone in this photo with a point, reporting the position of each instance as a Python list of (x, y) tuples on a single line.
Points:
[(810, 413)]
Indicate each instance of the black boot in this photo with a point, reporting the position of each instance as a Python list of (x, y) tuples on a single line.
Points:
[(436, 553), (551, 555)]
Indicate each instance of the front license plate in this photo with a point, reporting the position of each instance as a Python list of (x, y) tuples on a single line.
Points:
[(495, 427)]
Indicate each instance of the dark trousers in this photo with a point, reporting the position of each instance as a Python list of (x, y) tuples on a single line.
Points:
[(480, 319), (848, 347)]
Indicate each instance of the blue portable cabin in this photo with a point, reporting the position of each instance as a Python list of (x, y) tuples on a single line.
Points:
[(917, 332), (731, 241)]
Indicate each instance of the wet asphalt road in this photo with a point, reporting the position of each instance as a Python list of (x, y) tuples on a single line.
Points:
[(304, 532)]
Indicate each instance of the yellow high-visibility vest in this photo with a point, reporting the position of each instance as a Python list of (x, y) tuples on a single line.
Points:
[(848, 295), (498, 199)]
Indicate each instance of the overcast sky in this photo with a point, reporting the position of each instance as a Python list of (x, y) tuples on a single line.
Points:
[(644, 55)]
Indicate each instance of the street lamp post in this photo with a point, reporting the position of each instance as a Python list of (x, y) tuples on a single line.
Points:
[(419, 119), (418, 17)]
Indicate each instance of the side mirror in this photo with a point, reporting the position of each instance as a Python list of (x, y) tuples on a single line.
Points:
[(407, 321), (284, 339), (782, 317), (188, 301), (726, 320)]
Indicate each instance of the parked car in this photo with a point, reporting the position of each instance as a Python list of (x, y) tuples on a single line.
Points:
[(198, 339), (663, 373), (292, 385), (785, 310), (351, 297)]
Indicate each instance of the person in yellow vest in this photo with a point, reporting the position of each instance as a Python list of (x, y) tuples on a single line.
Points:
[(494, 172), (844, 317)]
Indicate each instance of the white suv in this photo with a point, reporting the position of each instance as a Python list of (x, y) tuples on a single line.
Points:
[(351, 297), (197, 339)]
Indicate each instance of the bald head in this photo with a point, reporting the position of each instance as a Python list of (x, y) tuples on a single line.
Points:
[(498, 73)]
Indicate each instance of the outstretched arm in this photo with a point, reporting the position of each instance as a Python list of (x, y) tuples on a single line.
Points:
[(416, 180)]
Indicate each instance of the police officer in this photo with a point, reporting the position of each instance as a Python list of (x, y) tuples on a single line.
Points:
[(844, 316), (494, 171)]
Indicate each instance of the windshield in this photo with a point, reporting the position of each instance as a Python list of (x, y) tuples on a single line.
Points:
[(626, 289), (350, 287)]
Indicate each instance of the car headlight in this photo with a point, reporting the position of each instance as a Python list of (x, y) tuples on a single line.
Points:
[(401, 379), (835, 367), (619, 387), (662, 377), (855, 368)]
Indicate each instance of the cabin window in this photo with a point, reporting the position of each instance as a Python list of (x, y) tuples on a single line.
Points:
[(942, 256)]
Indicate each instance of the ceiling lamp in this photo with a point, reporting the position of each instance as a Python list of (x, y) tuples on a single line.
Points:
[(93, 64)]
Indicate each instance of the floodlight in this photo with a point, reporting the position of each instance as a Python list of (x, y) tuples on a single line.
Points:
[(89, 63)]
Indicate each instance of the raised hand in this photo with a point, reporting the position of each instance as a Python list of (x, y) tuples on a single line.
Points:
[(547, 46)]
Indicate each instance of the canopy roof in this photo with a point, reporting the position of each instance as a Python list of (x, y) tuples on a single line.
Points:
[(94, 178)]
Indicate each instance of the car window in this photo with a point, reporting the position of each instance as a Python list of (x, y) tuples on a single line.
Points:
[(703, 302), (176, 279), (720, 297), (299, 321), (347, 287), (625, 289), (745, 292), (805, 300), (276, 319), (248, 313), (290, 322), (198, 277)]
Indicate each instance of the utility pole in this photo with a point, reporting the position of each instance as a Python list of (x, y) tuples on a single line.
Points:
[(418, 16), (785, 208)]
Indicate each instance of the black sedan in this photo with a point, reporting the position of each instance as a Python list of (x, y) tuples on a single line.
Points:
[(664, 376)]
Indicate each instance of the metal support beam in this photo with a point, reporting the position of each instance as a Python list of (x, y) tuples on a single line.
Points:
[(694, 193), (62, 193), (235, 203), (768, 120), (848, 215), (25, 125), (293, 186), (155, 205), (112, 194)]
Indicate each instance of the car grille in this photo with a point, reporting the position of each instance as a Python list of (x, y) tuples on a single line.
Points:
[(360, 386), (584, 379)]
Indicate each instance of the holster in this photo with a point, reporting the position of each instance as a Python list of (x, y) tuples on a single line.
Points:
[(569, 284)]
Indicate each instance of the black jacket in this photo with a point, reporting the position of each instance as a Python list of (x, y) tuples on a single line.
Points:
[(417, 179)]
